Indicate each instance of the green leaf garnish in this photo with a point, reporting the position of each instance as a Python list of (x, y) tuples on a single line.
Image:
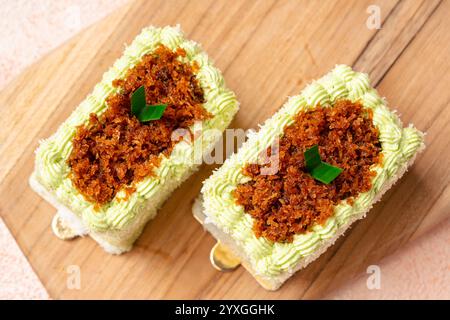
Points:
[(152, 112), (312, 157), (319, 170), (141, 110)]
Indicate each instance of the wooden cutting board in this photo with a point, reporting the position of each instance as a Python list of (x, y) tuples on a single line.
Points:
[(267, 50)]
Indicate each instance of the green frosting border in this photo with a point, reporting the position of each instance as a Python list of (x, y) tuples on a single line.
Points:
[(399, 145), (51, 169)]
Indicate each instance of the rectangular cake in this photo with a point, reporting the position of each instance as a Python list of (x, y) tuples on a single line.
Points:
[(141, 132), (315, 167)]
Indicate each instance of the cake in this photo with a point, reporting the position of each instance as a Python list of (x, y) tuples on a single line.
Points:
[(277, 222), (109, 166)]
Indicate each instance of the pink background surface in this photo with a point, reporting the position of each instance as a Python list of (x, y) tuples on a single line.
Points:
[(419, 270)]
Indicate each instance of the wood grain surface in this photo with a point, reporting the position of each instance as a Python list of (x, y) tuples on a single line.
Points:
[(267, 51)]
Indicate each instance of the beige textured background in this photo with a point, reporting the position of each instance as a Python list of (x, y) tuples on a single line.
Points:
[(32, 28)]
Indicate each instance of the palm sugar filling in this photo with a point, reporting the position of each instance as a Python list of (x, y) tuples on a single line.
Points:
[(115, 150), (291, 201)]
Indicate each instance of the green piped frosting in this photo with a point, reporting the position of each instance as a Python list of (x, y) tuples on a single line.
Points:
[(399, 145), (52, 170)]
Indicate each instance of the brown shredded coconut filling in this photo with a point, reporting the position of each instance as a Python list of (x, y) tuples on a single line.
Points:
[(115, 150), (291, 201)]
